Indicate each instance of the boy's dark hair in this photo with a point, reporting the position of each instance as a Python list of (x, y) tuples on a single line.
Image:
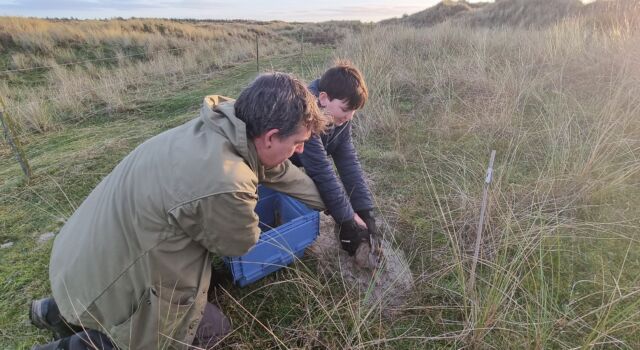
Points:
[(278, 101), (345, 82)]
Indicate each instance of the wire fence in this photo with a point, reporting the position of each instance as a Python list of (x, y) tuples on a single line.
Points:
[(137, 93), (101, 88), (148, 54), (113, 58)]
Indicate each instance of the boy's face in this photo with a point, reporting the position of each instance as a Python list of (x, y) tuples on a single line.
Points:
[(337, 109)]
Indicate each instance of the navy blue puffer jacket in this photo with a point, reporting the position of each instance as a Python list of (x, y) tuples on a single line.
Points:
[(341, 198)]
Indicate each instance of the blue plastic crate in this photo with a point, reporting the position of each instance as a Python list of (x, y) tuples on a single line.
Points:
[(287, 226)]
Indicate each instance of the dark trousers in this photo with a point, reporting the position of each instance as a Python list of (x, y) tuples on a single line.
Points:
[(85, 339), (213, 326)]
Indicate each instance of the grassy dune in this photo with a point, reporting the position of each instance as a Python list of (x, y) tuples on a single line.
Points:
[(560, 247), (560, 251)]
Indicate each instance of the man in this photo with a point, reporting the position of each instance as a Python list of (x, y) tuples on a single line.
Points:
[(132, 266), (340, 92)]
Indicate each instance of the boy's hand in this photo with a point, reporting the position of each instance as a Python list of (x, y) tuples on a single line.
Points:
[(351, 235)]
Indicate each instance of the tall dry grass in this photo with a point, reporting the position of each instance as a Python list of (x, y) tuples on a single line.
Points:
[(561, 106), (45, 36), (70, 70)]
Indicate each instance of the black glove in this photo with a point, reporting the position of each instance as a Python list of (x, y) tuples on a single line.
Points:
[(368, 217), (351, 236)]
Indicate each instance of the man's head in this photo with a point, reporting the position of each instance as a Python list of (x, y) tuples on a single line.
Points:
[(280, 115), (342, 92)]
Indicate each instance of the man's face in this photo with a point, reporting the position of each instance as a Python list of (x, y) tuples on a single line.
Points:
[(273, 149), (337, 109)]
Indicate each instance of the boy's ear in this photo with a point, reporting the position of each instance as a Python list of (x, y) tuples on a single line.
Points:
[(323, 98)]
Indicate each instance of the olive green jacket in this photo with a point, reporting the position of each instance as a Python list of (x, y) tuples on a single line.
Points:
[(133, 260)]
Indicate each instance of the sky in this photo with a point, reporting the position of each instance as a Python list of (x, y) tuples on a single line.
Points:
[(285, 10)]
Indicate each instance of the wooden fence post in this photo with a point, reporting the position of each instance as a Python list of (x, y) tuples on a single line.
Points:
[(257, 54), (301, 42), (12, 140), (301, 48)]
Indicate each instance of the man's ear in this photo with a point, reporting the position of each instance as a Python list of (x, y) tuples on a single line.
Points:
[(268, 137)]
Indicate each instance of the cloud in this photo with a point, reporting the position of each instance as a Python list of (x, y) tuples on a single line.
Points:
[(287, 10), (365, 13), (383, 10), (120, 5)]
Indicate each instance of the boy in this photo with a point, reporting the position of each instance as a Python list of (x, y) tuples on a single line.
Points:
[(340, 92)]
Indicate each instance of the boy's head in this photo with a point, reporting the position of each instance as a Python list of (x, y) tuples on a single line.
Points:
[(342, 91)]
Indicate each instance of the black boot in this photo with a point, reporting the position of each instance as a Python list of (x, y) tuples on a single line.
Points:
[(44, 314)]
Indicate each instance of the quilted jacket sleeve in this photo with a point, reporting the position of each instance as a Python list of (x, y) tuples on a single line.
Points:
[(348, 165), (318, 166)]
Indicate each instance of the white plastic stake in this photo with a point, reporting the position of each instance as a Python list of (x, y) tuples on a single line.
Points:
[(485, 194)]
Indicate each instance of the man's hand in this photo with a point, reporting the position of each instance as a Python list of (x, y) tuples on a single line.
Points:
[(352, 235)]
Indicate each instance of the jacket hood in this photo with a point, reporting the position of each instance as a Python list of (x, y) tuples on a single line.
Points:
[(314, 87), (218, 113)]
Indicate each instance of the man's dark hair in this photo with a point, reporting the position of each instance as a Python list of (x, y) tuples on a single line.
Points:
[(345, 82), (278, 101)]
